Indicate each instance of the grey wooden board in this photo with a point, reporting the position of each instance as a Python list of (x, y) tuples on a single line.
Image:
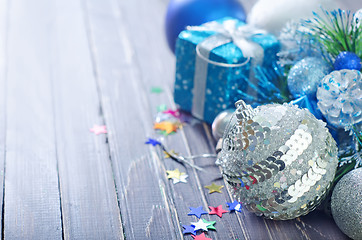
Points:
[(146, 209), (66, 65), (88, 197), (3, 40), (32, 203)]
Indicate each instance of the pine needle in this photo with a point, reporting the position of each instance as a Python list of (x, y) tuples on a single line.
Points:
[(336, 31)]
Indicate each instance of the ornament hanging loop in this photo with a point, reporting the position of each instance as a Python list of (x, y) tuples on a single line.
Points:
[(243, 110)]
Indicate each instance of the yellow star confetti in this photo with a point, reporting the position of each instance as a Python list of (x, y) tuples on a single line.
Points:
[(166, 126), (214, 188), (173, 174), (172, 152)]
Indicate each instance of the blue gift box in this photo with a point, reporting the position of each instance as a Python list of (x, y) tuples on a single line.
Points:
[(207, 85)]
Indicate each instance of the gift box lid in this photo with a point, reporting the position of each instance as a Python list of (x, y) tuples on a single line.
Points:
[(229, 52)]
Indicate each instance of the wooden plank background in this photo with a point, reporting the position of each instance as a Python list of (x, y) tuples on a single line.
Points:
[(66, 65)]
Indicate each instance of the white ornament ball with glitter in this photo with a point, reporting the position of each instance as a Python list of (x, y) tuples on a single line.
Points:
[(346, 204), (278, 160), (272, 15)]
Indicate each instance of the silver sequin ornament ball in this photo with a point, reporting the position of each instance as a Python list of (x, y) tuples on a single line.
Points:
[(278, 160), (346, 204)]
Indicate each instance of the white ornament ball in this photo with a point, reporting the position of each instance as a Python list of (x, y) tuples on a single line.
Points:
[(346, 204), (221, 121), (278, 160), (272, 15)]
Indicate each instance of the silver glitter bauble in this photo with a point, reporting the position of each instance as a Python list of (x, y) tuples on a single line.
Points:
[(305, 76), (346, 204), (279, 160), (221, 121)]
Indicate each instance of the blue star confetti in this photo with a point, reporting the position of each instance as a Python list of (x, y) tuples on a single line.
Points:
[(196, 211), (189, 229), (152, 141), (234, 206)]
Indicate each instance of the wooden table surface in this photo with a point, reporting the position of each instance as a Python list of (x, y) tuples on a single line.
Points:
[(66, 65)]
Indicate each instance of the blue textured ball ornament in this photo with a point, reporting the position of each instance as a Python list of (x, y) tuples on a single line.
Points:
[(304, 77), (347, 60), (183, 13)]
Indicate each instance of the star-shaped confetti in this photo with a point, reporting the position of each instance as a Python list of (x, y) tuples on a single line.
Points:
[(200, 225), (217, 210), (175, 113), (201, 237), (196, 211), (161, 108), (210, 224), (166, 126), (189, 229), (152, 141), (173, 174), (182, 178), (156, 90), (214, 188), (234, 206), (98, 129), (169, 153)]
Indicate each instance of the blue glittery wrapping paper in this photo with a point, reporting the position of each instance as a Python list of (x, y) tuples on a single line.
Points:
[(225, 85)]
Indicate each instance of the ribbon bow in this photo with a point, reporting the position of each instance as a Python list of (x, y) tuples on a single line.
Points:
[(240, 35)]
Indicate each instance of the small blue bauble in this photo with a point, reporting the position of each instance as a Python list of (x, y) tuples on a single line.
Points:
[(304, 77), (183, 13), (347, 60)]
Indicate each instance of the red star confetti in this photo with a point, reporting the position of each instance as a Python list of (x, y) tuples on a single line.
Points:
[(175, 113), (98, 129), (201, 237), (217, 210), (214, 188), (166, 126)]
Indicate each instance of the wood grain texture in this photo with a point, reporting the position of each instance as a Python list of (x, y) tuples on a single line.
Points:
[(146, 209), (88, 197), (68, 64), (3, 69), (32, 205)]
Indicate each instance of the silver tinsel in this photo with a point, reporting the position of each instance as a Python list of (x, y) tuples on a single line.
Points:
[(279, 160), (346, 204)]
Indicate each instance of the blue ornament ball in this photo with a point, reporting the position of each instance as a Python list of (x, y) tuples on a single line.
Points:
[(347, 60), (304, 77), (183, 13)]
